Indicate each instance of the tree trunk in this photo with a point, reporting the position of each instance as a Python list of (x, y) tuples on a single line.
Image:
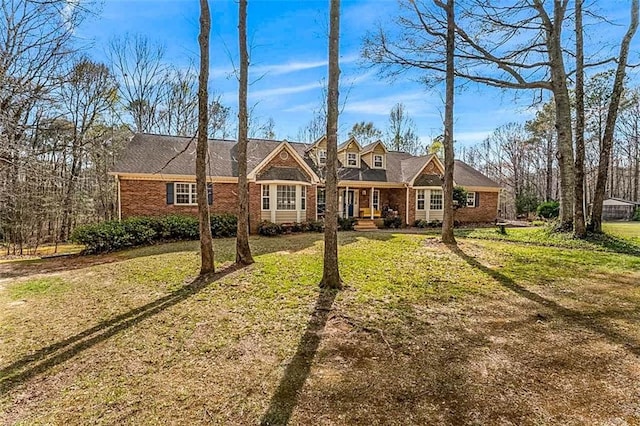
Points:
[(579, 227), (243, 251), (331, 273), (447, 221), (549, 187), (612, 115), (202, 149)]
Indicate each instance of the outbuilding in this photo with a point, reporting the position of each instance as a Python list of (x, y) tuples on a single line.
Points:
[(618, 209)]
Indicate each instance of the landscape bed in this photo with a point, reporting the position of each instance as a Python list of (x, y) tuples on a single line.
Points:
[(493, 332)]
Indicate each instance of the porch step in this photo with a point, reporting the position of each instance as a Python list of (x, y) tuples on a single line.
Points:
[(365, 225)]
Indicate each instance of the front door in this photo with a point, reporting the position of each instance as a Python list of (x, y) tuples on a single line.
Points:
[(348, 207)]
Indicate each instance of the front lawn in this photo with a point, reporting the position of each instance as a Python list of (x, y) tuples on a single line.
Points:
[(493, 332)]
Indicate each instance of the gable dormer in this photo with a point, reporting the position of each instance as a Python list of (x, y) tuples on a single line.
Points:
[(375, 155), (349, 153), (318, 151)]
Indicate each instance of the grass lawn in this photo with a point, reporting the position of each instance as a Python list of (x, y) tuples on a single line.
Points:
[(494, 332)]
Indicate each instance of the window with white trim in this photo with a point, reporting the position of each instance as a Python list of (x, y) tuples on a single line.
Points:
[(322, 157), (436, 199), (286, 197), (376, 199), (352, 159), (266, 200), (378, 162), (322, 201), (303, 197), (186, 194), (420, 199), (471, 199)]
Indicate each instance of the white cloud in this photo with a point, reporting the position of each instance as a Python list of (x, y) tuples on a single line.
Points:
[(293, 66), (286, 90), (417, 104)]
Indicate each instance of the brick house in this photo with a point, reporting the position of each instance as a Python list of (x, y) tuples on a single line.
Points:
[(155, 175)]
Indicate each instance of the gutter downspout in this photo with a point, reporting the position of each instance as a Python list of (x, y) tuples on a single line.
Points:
[(406, 205), (119, 198)]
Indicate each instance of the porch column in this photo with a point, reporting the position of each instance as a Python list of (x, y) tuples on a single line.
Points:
[(345, 213), (371, 202)]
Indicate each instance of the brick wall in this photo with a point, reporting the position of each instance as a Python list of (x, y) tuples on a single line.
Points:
[(149, 198), (485, 212), (255, 206)]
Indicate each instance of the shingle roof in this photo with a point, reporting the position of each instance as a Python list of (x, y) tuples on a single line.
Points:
[(465, 175), (172, 155)]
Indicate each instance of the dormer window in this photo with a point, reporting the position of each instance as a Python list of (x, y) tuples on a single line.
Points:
[(378, 161), (322, 157), (352, 159)]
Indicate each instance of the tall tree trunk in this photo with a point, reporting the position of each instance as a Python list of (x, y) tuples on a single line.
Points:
[(243, 251), (202, 149), (447, 221), (636, 169), (549, 173), (579, 227), (553, 29), (612, 115), (331, 273)]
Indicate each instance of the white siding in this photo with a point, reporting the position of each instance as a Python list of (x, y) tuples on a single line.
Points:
[(286, 216)]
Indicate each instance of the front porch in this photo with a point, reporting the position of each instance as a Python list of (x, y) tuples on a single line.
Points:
[(371, 203)]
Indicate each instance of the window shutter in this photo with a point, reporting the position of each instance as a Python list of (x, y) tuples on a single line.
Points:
[(477, 199), (210, 193), (169, 192)]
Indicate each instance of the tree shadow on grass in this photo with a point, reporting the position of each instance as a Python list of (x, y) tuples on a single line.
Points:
[(586, 321), (48, 357), (286, 396), (614, 244)]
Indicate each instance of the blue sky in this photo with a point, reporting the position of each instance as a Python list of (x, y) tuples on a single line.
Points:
[(288, 62)]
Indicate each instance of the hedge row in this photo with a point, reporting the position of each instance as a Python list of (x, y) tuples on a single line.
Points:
[(270, 229), (137, 231)]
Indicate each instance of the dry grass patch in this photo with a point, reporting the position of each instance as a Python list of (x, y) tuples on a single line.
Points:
[(490, 333)]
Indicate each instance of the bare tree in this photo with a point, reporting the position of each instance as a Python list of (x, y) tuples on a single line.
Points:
[(89, 92), (243, 251), (331, 272), (579, 227), (517, 46), (202, 149), (401, 133), (138, 64), (612, 116), (447, 221)]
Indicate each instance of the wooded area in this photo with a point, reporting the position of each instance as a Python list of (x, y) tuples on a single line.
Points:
[(64, 116)]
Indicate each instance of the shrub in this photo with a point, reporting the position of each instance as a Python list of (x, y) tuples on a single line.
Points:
[(636, 215), (459, 197), (435, 224), (420, 223), (315, 226), (137, 231), (175, 227), (549, 209), (346, 223), (223, 225), (269, 229), (141, 230), (102, 237), (392, 222)]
